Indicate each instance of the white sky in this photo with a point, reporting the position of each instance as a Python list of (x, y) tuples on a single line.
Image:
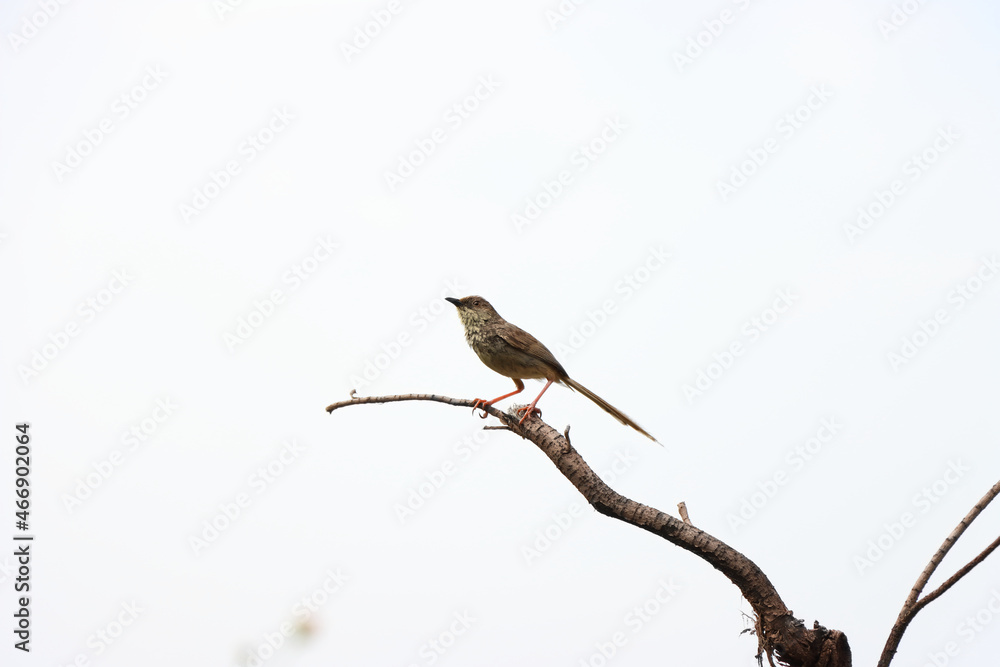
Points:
[(248, 145)]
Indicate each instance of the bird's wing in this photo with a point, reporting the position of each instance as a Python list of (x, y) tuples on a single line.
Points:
[(522, 340)]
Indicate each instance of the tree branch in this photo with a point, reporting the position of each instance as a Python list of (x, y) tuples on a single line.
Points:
[(964, 570), (361, 400), (779, 633), (913, 604)]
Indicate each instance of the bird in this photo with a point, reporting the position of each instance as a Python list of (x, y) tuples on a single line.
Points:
[(514, 353)]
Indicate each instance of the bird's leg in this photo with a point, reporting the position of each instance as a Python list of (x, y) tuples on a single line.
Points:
[(531, 408), (480, 402)]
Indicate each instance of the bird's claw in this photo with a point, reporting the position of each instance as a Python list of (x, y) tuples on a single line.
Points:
[(480, 404), (528, 410)]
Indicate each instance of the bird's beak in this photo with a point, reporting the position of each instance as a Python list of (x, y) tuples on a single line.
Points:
[(457, 302)]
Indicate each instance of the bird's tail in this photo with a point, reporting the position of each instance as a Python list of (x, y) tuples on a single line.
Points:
[(607, 407)]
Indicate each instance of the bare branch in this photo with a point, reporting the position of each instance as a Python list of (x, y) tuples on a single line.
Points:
[(933, 595), (361, 400), (913, 604), (683, 509), (779, 632)]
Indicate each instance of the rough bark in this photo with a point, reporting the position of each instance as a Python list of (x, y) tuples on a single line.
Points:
[(780, 634)]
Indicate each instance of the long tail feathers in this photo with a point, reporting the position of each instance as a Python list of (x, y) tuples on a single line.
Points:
[(607, 407)]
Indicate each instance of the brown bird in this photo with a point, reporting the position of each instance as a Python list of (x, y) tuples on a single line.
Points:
[(512, 351)]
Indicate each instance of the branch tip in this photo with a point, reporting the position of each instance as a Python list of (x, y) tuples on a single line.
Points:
[(683, 509)]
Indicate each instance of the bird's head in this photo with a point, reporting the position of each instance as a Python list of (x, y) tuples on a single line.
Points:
[(474, 310)]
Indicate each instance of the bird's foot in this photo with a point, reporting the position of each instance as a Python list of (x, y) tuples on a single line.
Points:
[(481, 404), (528, 410)]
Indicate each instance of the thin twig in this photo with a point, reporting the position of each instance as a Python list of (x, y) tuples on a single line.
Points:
[(508, 422), (361, 400), (933, 595), (913, 604)]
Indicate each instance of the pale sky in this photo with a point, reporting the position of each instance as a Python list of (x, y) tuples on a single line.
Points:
[(767, 231)]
